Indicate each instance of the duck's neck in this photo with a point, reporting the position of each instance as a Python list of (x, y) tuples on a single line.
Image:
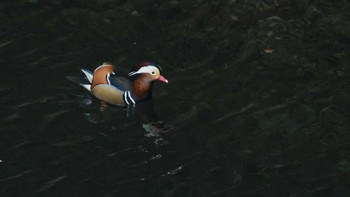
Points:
[(141, 89)]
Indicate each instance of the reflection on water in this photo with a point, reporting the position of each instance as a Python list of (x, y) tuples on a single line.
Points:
[(258, 102)]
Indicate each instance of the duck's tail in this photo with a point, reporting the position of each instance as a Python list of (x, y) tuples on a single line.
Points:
[(83, 81)]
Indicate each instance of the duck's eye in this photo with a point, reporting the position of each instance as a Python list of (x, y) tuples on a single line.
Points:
[(153, 73)]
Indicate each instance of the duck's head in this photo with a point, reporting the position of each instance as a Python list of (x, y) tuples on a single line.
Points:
[(149, 70)]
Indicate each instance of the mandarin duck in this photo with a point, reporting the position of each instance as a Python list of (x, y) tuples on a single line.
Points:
[(104, 84)]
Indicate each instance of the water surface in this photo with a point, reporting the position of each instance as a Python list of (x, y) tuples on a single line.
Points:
[(257, 104)]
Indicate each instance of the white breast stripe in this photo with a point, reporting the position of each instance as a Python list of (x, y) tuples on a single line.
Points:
[(125, 99), (128, 98), (132, 100)]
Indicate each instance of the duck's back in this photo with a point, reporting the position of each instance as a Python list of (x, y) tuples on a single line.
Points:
[(121, 83)]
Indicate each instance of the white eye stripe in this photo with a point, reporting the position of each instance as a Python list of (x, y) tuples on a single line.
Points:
[(145, 69)]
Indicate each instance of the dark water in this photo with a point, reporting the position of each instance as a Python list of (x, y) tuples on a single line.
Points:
[(258, 102)]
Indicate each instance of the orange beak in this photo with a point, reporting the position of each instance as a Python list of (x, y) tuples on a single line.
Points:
[(163, 79)]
